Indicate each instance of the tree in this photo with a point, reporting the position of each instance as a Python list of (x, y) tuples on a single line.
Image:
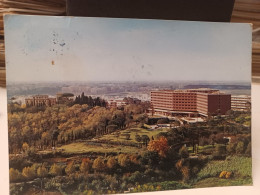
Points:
[(220, 149), (70, 168), (25, 147), (112, 128), (145, 139), (111, 162), (138, 138), (55, 170), (231, 148), (184, 152), (123, 160), (29, 173), (14, 175), (85, 165), (42, 172), (150, 158), (98, 164), (185, 173), (127, 136), (248, 149), (160, 146), (136, 177), (240, 148), (163, 121)]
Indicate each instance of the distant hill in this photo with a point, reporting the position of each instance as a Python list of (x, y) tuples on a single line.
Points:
[(218, 86)]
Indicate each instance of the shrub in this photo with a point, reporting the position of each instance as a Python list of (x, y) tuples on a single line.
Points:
[(163, 121), (25, 146), (225, 174), (228, 175), (248, 149), (220, 149), (127, 136), (135, 177), (231, 148), (150, 158), (240, 148), (222, 174), (185, 173)]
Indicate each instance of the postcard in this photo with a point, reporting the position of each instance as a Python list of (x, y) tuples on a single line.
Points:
[(109, 105)]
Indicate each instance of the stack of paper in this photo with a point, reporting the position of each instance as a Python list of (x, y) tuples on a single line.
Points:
[(248, 11), (2, 63)]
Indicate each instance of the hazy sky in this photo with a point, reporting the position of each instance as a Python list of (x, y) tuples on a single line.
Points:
[(43, 48)]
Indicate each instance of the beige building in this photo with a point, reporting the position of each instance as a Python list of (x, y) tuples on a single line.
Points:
[(40, 100), (114, 103), (241, 102)]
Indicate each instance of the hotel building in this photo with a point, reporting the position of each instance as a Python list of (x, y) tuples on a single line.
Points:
[(190, 102)]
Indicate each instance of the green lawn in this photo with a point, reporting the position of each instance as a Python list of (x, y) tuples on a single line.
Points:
[(132, 132), (206, 148), (240, 166), (81, 147), (218, 182)]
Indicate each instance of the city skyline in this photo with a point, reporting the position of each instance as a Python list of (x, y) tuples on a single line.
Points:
[(105, 49)]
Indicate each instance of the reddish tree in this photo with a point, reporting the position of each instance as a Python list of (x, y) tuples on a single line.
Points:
[(160, 146)]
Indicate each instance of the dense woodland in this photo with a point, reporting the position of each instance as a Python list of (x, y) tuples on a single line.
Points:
[(173, 159)]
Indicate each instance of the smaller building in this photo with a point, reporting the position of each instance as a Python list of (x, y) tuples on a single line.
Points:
[(115, 103), (40, 100), (241, 102)]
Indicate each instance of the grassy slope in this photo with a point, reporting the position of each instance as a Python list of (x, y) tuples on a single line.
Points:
[(240, 166), (132, 132), (217, 182), (81, 147)]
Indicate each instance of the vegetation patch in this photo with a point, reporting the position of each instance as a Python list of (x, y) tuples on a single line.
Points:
[(240, 166), (218, 182), (81, 147)]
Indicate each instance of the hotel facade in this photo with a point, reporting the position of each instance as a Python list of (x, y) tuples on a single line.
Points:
[(190, 102)]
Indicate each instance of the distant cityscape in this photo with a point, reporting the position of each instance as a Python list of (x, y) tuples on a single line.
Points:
[(165, 99)]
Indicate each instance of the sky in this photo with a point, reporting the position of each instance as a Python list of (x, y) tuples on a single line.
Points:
[(45, 48)]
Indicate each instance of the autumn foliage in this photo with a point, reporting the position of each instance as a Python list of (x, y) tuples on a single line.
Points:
[(86, 165), (160, 146), (225, 174)]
